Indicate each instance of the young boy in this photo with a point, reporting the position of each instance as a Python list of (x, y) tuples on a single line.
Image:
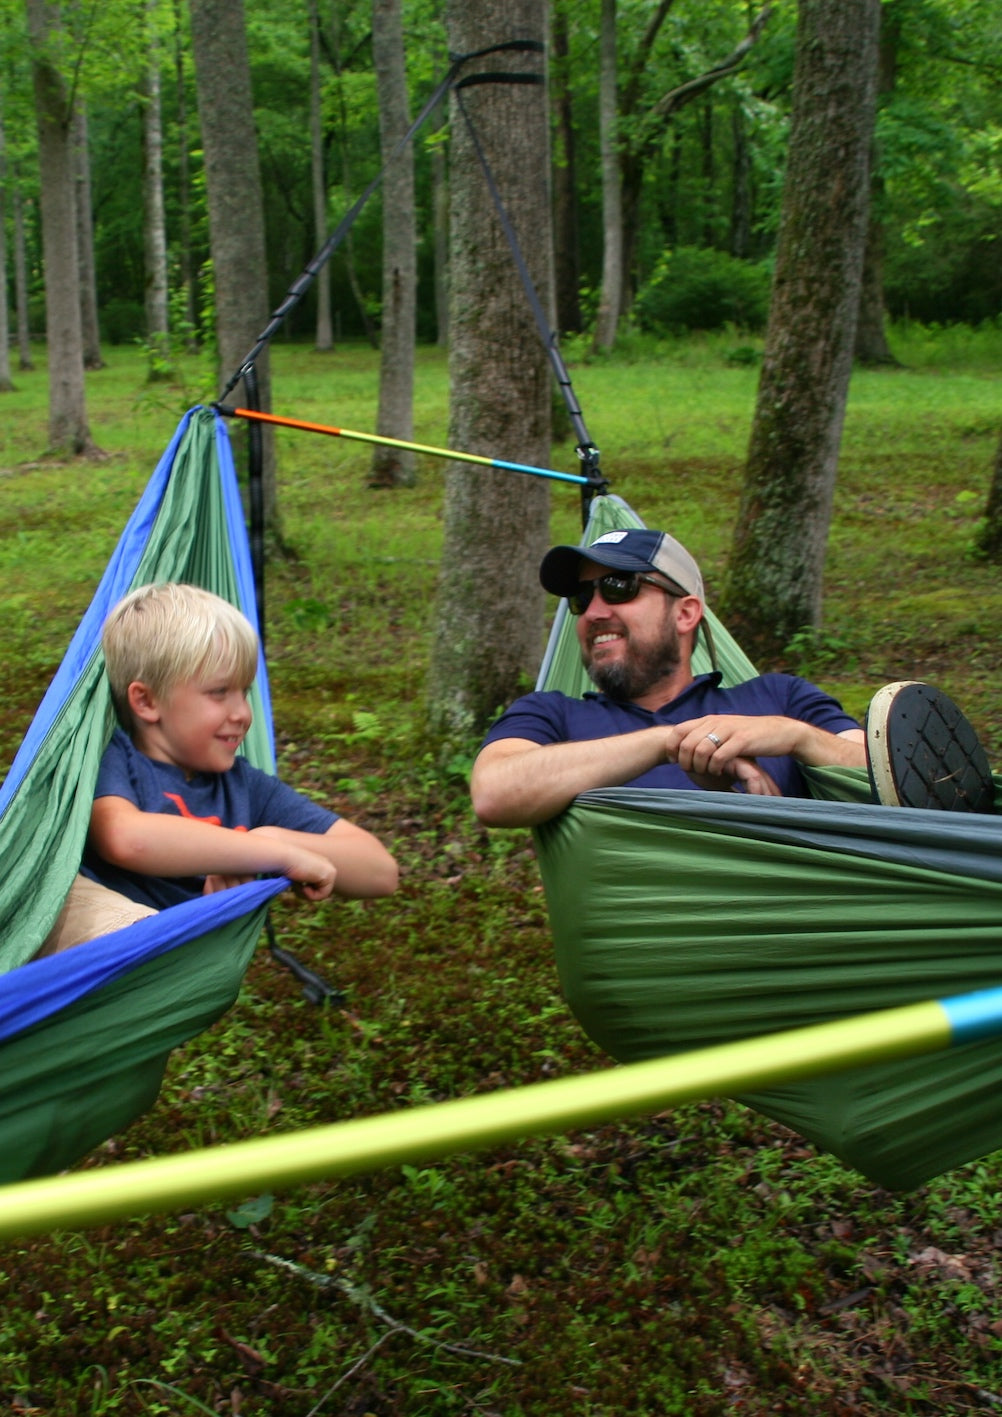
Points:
[(177, 813)]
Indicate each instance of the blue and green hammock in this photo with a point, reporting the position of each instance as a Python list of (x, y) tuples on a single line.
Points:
[(85, 1035)]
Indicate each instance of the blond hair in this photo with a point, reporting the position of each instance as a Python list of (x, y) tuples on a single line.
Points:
[(164, 635)]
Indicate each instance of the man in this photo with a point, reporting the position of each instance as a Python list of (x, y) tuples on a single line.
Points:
[(639, 601)]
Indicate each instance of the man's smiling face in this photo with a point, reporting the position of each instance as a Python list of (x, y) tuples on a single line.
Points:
[(627, 649)]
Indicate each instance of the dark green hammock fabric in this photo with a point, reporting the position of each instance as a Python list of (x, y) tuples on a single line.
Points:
[(84, 1036), (683, 919)]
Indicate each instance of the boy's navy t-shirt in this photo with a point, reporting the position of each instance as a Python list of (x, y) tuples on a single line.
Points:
[(550, 716), (242, 798)]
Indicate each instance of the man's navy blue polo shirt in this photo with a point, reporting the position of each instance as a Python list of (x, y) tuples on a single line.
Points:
[(553, 717)]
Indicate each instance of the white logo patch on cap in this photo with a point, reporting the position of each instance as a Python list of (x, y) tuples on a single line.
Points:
[(609, 536)]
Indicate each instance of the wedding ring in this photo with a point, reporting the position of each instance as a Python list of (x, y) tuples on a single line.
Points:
[(714, 739)]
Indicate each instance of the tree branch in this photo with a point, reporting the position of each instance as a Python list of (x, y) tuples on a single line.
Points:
[(631, 89), (669, 104)]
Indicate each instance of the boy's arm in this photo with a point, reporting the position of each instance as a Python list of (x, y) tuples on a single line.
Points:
[(153, 844), (365, 868)]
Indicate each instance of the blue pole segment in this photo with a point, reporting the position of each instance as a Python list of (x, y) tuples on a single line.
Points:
[(538, 471), (973, 1017)]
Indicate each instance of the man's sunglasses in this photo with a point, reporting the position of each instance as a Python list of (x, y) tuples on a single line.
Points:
[(616, 588)]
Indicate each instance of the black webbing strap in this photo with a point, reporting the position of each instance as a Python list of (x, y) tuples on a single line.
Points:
[(315, 987), (586, 450)]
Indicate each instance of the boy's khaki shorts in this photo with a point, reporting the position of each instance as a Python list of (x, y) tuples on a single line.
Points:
[(90, 910)]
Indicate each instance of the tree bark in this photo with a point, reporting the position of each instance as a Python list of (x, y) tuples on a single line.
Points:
[(489, 617), (741, 201), (89, 322), (567, 256), (989, 540), (440, 221), (24, 359), (346, 182), (154, 220), (235, 203), (186, 261), (777, 560), (68, 427), (6, 382), (871, 333), (395, 419), (611, 293), (325, 331)]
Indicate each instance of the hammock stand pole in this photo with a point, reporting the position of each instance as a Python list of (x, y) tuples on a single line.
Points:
[(254, 415), (420, 1134)]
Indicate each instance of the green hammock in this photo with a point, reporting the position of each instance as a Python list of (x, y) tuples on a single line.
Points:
[(685, 919), (85, 1035)]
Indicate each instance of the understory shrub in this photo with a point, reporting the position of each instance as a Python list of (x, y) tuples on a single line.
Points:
[(695, 288)]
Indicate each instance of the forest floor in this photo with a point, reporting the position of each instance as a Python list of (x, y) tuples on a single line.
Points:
[(703, 1261)]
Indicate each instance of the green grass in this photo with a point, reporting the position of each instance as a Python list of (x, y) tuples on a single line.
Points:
[(700, 1262)]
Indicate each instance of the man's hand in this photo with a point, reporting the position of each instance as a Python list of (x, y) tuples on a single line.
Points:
[(713, 743), (742, 774)]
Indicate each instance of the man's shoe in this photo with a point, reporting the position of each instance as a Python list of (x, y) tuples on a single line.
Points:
[(922, 752)]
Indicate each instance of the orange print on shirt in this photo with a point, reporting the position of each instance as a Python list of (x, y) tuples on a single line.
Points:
[(181, 806)]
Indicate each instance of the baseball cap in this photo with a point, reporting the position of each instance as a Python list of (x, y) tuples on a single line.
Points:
[(636, 549)]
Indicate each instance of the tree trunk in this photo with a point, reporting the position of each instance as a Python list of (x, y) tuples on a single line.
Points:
[(440, 220), (6, 382), (612, 195), (89, 323), (236, 207), (709, 173), (24, 359), (154, 220), (68, 428), (325, 332), (989, 540), (567, 257), (489, 618), (346, 181), (186, 263), (394, 466), (777, 560), (741, 203), (871, 336)]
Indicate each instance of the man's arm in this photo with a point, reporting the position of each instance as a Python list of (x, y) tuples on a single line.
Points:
[(153, 844), (518, 783)]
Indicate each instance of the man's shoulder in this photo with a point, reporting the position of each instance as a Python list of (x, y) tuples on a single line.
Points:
[(551, 716)]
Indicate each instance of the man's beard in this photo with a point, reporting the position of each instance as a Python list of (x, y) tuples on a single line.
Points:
[(640, 668)]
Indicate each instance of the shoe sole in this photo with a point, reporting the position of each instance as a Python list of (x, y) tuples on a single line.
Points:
[(922, 752)]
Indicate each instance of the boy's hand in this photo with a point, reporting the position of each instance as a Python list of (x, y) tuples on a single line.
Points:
[(312, 876)]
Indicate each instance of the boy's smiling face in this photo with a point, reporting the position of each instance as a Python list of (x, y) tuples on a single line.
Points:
[(197, 726)]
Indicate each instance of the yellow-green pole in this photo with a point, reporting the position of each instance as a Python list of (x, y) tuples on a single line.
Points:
[(467, 1124)]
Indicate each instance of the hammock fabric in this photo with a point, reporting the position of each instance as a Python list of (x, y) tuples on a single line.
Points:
[(85, 1035), (686, 919)]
